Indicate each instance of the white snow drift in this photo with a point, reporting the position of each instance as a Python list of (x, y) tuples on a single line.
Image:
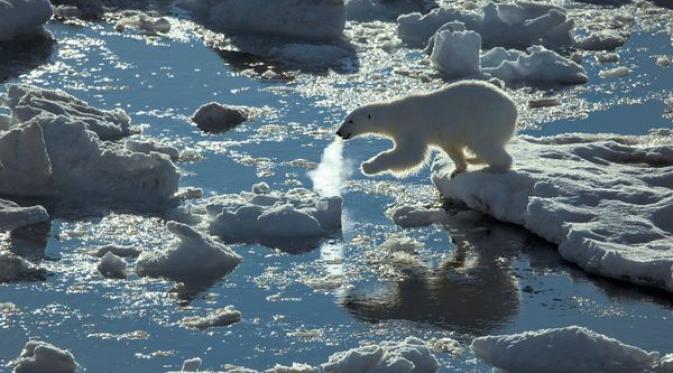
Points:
[(456, 54), (13, 216), (274, 218), (23, 17), (191, 258), (38, 356), (511, 25), (570, 349), (608, 206), (51, 147)]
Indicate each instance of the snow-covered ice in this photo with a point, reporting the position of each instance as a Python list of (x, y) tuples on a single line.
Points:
[(569, 349), (140, 146), (410, 355), (28, 102), (52, 149), (13, 216), (15, 268), (537, 65), (512, 25), (616, 72), (23, 17), (192, 258), (318, 20), (215, 117), (38, 356), (603, 40), (219, 317), (606, 201), (112, 266), (297, 218)]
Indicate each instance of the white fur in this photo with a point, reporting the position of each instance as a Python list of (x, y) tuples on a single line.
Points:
[(471, 115)]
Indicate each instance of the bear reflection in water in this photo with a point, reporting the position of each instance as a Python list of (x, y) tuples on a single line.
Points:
[(474, 291)]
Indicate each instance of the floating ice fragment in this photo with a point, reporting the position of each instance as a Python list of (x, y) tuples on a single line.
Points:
[(112, 266), (603, 40), (416, 216), (570, 349), (38, 356), (192, 365), (15, 268), (617, 72), (220, 317), (214, 117)]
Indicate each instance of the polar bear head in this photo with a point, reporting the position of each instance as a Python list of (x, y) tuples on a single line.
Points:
[(362, 120)]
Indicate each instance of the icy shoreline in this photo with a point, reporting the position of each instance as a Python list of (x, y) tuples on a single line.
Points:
[(609, 206)]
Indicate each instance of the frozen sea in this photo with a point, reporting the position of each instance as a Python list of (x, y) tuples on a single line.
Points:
[(477, 279)]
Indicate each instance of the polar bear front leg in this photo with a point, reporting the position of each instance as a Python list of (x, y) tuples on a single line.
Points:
[(457, 155), (404, 158)]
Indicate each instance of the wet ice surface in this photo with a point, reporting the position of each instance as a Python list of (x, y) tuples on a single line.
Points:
[(468, 279)]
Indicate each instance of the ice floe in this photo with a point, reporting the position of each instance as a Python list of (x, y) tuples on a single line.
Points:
[(511, 25), (219, 317), (13, 216), (616, 72), (604, 40), (53, 149), (192, 258), (38, 356), (569, 349), (606, 201), (215, 117), (15, 268), (112, 266), (295, 219), (317, 20), (23, 17), (410, 355)]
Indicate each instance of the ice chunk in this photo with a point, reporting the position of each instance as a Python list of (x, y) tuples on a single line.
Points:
[(570, 349), (142, 21), (604, 57), (220, 317), (410, 355), (15, 268), (295, 219), (321, 20), (401, 244), (512, 25), (456, 54), (192, 365), (416, 216), (367, 10), (539, 66), (112, 266), (147, 147), (23, 17), (57, 154), (608, 206), (191, 258), (38, 356), (27, 102), (664, 61), (603, 40), (214, 117), (617, 72), (13, 216), (118, 250)]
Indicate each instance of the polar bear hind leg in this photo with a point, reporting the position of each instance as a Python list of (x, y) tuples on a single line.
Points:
[(405, 158), (496, 157)]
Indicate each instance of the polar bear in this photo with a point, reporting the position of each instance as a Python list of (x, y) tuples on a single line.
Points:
[(472, 115)]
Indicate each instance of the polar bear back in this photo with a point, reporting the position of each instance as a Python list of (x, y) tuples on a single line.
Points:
[(465, 113)]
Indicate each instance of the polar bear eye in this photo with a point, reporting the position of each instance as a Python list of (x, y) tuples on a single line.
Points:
[(369, 116)]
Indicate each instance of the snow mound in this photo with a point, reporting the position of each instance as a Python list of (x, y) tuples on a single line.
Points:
[(214, 117), (112, 266), (411, 355), (191, 258), (28, 102), (295, 219), (512, 25), (23, 17), (220, 317), (13, 216), (570, 349), (51, 150), (38, 356), (318, 20), (609, 206), (15, 268)]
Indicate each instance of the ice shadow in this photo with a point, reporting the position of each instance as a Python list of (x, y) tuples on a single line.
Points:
[(24, 54)]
